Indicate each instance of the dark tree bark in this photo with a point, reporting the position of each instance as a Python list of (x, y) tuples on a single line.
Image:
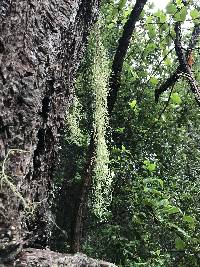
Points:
[(41, 45), (77, 223)]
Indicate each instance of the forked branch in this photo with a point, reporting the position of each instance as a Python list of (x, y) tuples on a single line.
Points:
[(184, 69)]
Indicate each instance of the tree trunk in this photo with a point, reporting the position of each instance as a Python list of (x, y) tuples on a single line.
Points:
[(78, 222), (41, 45)]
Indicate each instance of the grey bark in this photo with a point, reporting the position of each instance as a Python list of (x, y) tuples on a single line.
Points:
[(41, 45), (47, 258)]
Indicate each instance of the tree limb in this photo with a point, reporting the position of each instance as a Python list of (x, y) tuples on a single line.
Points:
[(184, 69), (167, 84), (123, 44)]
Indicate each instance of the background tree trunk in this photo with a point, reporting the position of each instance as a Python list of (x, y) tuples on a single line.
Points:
[(41, 45)]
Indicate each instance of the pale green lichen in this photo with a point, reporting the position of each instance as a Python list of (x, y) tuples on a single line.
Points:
[(73, 122), (102, 180), (93, 82), (6, 180)]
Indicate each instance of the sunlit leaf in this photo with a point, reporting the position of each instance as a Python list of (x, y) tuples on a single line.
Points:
[(133, 104), (154, 80), (176, 98)]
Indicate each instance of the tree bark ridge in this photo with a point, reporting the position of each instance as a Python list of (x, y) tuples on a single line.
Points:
[(41, 45)]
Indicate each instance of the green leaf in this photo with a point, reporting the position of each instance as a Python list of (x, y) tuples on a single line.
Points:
[(171, 8), (133, 104), (172, 33), (150, 180), (163, 202), (158, 252), (150, 48), (177, 16), (179, 3), (194, 14), (161, 16), (151, 31), (154, 80), (161, 182), (180, 230), (149, 19), (188, 219), (149, 166), (183, 13), (168, 61), (123, 148), (176, 98), (111, 25), (179, 243), (142, 14), (172, 210), (120, 130), (122, 3), (127, 13)]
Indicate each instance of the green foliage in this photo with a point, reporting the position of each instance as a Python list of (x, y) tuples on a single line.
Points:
[(154, 148)]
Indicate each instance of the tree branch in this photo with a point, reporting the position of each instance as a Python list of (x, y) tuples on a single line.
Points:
[(167, 84), (184, 69), (195, 37), (123, 44)]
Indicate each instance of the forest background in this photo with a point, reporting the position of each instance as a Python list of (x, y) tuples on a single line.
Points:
[(118, 178), (143, 205)]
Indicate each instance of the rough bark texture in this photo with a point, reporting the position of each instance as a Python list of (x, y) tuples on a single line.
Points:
[(41, 44), (47, 258), (77, 225)]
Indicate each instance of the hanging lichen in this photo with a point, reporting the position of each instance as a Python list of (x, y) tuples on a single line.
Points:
[(73, 123), (102, 180), (89, 110)]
